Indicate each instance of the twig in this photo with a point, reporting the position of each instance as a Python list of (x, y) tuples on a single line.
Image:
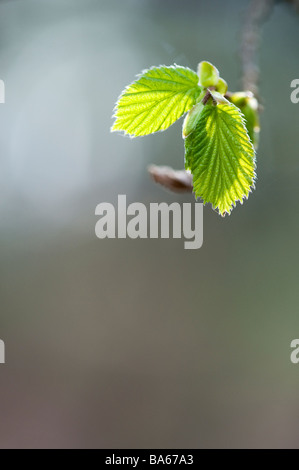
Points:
[(257, 12), (178, 181)]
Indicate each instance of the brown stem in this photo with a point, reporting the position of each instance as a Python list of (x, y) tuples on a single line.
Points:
[(206, 97)]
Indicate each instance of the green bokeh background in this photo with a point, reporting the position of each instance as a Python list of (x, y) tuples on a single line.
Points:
[(140, 343)]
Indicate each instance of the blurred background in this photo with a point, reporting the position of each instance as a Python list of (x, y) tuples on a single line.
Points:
[(140, 343)]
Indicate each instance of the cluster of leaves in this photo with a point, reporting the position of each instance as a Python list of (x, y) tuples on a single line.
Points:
[(220, 128)]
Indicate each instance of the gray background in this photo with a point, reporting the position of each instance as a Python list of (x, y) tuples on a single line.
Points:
[(140, 343)]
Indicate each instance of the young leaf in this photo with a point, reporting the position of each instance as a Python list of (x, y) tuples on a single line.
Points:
[(221, 157), (191, 119), (159, 97), (207, 73), (221, 86)]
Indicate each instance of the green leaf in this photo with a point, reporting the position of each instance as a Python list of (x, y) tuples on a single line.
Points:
[(159, 97), (221, 157)]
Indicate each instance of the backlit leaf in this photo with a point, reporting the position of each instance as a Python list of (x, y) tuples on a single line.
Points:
[(159, 97), (220, 156)]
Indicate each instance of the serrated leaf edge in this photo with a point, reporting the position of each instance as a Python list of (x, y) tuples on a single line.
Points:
[(254, 177), (138, 76)]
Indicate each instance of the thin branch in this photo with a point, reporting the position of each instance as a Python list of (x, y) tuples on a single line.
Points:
[(256, 14), (295, 3)]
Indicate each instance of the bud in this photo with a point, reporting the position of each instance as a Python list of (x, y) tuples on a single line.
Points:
[(221, 86), (208, 74)]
